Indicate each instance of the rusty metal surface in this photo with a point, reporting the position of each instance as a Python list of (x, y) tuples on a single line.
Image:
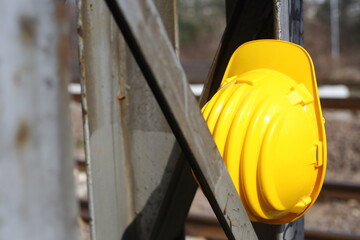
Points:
[(37, 196)]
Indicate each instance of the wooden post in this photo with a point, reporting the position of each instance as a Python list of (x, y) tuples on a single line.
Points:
[(37, 196)]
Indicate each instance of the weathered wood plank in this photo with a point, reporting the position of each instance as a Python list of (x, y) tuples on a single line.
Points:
[(36, 182), (146, 37)]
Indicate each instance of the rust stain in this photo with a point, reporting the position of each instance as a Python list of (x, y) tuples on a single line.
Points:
[(121, 96), (28, 29), (22, 135), (80, 31), (84, 111), (82, 62)]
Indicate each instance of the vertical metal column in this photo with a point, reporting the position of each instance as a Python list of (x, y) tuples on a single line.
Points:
[(101, 65), (289, 25), (334, 29), (37, 196)]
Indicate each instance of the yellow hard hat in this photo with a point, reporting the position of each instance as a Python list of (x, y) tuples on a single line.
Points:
[(267, 123)]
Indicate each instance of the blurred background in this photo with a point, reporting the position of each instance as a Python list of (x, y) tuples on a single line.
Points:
[(332, 37)]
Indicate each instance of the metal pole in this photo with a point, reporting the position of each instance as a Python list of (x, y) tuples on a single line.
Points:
[(289, 27), (334, 24), (36, 182)]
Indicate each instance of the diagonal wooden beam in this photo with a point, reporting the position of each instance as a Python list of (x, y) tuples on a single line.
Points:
[(145, 34)]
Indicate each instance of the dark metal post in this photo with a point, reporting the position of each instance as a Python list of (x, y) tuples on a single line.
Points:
[(289, 26), (283, 20)]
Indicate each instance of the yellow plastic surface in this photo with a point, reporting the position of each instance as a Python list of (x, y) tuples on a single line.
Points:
[(267, 123)]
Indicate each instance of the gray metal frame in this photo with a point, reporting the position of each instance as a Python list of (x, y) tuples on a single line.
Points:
[(140, 183), (134, 162)]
